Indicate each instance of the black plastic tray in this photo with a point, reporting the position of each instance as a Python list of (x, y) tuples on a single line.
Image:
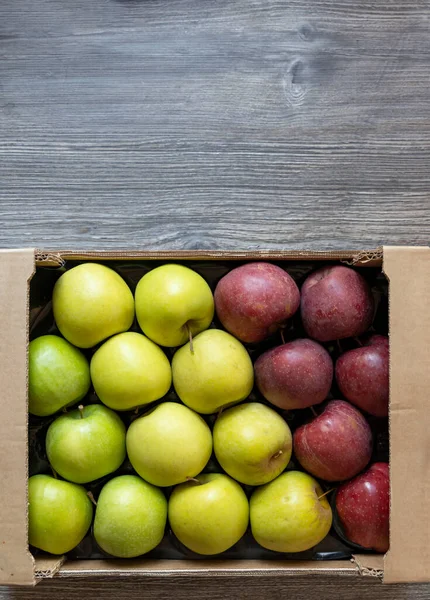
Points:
[(335, 546)]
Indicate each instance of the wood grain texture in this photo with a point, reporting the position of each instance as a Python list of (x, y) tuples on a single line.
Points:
[(215, 124), (299, 588)]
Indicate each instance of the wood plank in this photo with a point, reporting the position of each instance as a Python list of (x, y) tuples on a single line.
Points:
[(299, 588), (214, 125)]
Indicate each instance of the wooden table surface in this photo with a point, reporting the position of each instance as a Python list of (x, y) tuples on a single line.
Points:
[(215, 124)]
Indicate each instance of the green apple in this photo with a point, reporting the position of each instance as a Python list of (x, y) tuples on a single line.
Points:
[(59, 375), (91, 302), (169, 444), (252, 443), (59, 514), (173, 301), (290, 514), (210, 514), (217, 373), (129, 371), (86, 444), (130, 517)]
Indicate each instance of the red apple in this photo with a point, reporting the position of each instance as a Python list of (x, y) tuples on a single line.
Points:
[(378, 340), (295, 375), (362, 375), (363, 508), (336, 444), (254, 300), (336, 303)]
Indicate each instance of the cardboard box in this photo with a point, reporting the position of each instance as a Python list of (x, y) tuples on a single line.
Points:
[(408, 272)]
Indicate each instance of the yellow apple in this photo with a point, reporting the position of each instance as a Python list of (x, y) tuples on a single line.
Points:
[(209, 515), (59, 514), (216, 373), (288, 514), (59, 375), (171, 301), (169, 444), (86, 444), (252, 443), (129, 371), (91, 302), (130, 517)]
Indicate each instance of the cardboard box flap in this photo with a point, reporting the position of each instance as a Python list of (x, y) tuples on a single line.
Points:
[(203, 568), (16, 562), (408, 271)]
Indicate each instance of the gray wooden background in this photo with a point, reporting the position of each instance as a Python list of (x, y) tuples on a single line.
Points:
[(215, 124)]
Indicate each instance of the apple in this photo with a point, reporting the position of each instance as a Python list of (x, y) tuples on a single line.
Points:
[(172, 303), (295, 375), (130, 517), (86, 444), (129, 370), (91, 302), (378, 340), (216, 373), (362, 375), (363, 508), (254, 300), (169, 444), (252, 443), (336, 444), (336, 303), (290, 514), (59, 375), (59, 514), (210, 514)]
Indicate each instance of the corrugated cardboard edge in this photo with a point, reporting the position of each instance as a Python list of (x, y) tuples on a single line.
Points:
[(203, 568), (367, 258), (408, 271), (47, 566), (16, 562), (369, 565), (58, 258)]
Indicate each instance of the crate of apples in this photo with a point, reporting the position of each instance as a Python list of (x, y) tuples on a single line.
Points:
[(247, 405)]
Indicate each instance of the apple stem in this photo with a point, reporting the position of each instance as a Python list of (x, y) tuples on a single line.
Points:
[(91, 497), (193, 479), (314, 412), (325, 493), (282, 335), (81, 410), (277, 455), (358, 342), (54, 473), (339, 347), (64, 409), (190, 337), (136, 412)]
